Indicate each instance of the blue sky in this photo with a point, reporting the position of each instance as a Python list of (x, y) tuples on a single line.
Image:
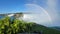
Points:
[(7, 6), (51, 6), (18, 5), (11, 5)]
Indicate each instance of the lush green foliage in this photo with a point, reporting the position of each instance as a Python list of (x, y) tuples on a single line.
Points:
[(15, 26), (19, 26)]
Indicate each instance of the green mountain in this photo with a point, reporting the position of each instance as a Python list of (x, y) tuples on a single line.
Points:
[(56, 27), (19, 26), (45, 30)]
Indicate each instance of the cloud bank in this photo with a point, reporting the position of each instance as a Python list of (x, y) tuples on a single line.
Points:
[(38, 15), (51, 8)]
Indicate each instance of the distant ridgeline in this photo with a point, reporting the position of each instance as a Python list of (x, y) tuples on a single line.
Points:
[(15, 15)]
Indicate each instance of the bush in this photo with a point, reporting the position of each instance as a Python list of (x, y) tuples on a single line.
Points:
[(14, 27)]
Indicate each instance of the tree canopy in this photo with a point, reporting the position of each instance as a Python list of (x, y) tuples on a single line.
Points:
[(19, 26)]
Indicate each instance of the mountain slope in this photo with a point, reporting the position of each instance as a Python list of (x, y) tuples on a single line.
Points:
[(45, 30), (57, 28), (19, 26)]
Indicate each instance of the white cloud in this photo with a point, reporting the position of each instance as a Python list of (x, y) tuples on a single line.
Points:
[(52, 4), (52, 10), (39, 15), (10, 15)]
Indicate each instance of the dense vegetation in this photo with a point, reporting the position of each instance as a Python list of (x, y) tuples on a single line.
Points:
[(19, 26)]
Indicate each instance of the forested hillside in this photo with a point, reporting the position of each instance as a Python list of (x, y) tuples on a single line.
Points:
[(19, 26)]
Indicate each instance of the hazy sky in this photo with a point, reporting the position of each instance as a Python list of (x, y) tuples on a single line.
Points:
[(51, 6)]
